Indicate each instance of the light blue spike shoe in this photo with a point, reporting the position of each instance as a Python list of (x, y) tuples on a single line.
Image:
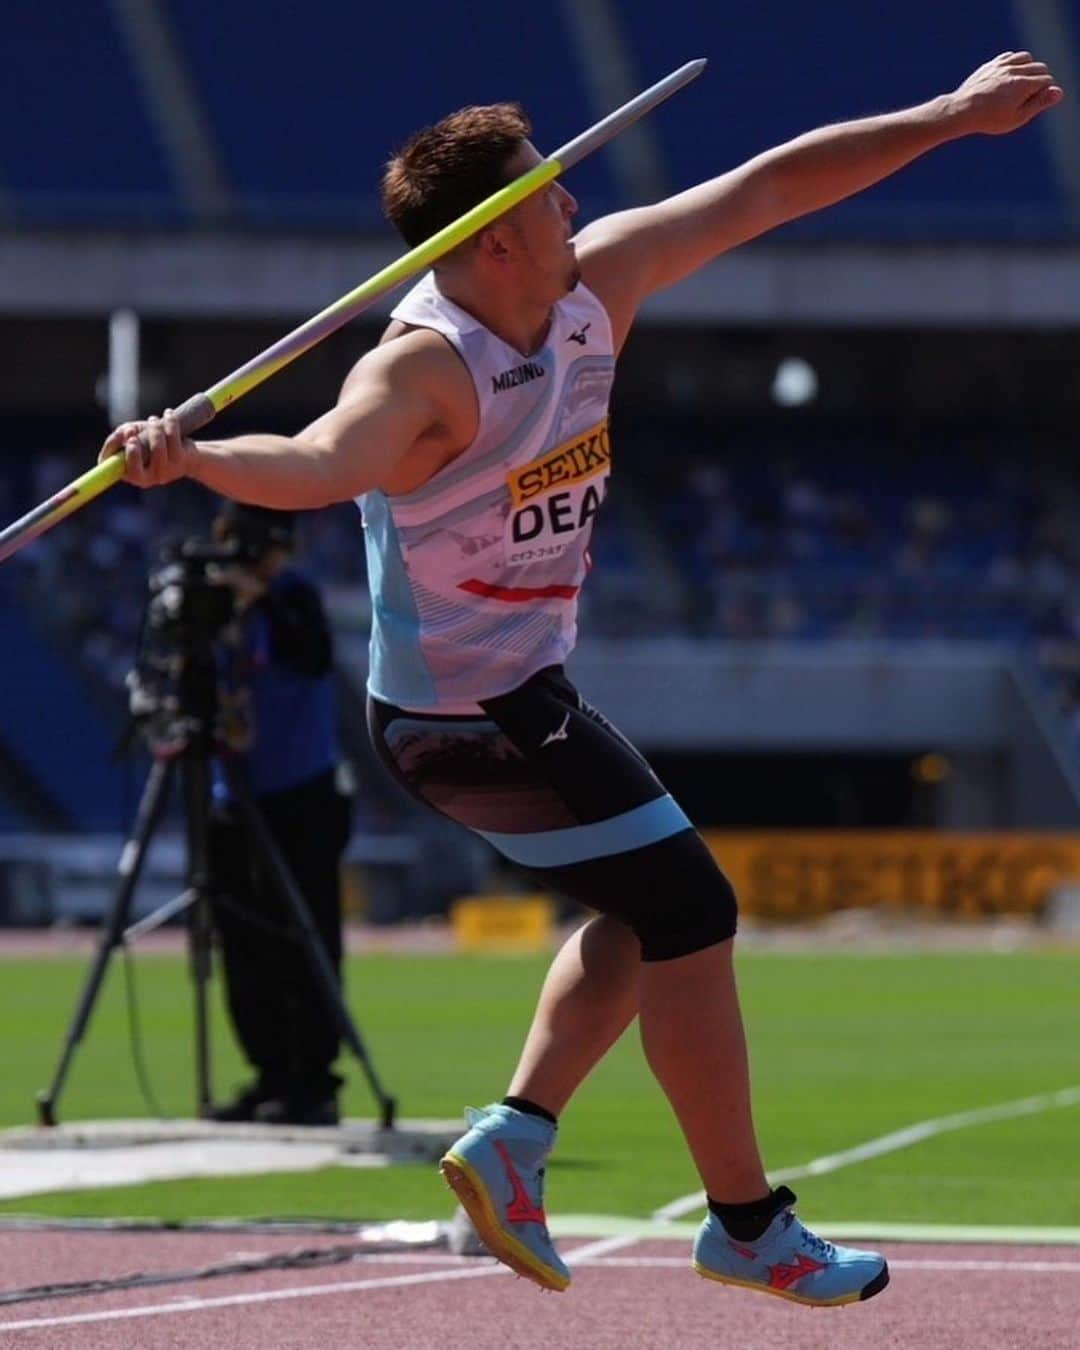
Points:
[(789, 1261), (496, 1170)]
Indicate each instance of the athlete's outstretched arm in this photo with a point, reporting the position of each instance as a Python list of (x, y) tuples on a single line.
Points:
[(387, 404), (634, 253)]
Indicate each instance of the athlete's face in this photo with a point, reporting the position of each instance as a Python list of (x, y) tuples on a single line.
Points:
[(542, 229)]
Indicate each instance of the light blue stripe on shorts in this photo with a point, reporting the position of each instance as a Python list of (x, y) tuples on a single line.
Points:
[(643, 825)]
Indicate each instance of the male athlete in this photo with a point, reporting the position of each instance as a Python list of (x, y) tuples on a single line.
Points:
[(475, 438)]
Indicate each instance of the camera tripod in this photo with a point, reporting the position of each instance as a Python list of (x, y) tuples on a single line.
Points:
[(195, 760)]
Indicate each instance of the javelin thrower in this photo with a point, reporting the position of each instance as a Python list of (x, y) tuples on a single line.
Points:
[(475, 437)]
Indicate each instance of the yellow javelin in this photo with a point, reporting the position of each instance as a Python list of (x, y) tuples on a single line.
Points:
[(200, 409)]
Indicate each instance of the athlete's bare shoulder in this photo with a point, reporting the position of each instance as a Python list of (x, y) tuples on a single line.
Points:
[(422, 362), (398, 328), (420, 366)]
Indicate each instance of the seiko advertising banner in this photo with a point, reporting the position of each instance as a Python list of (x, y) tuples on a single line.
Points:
[(796, 874)]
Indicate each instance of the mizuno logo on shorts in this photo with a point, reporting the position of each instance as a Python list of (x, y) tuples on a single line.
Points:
[(559, 734)]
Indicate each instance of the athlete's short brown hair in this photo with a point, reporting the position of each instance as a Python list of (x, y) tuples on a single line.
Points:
[(443, 170)]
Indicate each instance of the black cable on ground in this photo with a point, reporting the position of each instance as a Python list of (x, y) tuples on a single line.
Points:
[(281, 1227), (303, 1258), (300, 1258)]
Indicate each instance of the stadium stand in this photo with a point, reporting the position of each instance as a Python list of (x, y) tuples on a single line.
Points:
[(310, 114), (783, 78), (841, 532), (835, 533), (48, 725), (299, 117), (88, 153)]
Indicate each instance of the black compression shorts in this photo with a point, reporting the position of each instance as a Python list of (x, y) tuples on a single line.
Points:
[(557, 789)]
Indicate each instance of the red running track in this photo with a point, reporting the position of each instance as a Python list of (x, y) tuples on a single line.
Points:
[(643, 1296)]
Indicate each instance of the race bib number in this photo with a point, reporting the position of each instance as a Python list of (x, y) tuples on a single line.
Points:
[(555, 497)]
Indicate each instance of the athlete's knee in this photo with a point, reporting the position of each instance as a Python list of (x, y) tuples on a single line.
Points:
[(697, 910)]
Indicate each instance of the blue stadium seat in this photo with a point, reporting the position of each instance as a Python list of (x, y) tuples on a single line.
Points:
[(49, 724), (11, 818), (778, 70), (79, 146), (308, 112), (304, 105)]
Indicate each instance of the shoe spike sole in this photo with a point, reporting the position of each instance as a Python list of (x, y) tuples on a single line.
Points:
[(876, 1285), (477, 1204)]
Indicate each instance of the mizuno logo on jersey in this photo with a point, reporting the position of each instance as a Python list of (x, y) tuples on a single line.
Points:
[(572, 462), (510, 379)]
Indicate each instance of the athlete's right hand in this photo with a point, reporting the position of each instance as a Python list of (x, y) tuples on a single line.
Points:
[(154, 450)]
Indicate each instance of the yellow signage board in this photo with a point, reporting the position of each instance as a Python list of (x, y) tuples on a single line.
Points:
[(800, 874), (503, 923)]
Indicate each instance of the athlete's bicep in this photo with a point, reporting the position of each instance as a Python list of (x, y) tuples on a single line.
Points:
[(385, 407)]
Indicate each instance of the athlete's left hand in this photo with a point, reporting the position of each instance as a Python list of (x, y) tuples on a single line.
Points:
[(1005, 94)]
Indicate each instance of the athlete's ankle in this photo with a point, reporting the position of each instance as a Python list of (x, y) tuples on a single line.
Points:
[(530, 1108), (747, 1222)]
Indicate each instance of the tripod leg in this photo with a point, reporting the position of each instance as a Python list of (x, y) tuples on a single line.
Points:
[(313, 947), (129, 867), (197, 790)]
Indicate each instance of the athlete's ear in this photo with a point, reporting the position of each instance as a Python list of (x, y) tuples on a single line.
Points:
[(493, 243)]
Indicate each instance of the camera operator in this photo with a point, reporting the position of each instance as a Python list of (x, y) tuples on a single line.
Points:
[(280, 666)]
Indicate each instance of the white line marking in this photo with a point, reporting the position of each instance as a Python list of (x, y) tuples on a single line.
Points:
[(901, 1263), (1027, 1267), (437, 1276), (897, 1139), (414, 1259), (593, 1226), (592, 1251), (596, 1252), (266, 1296)]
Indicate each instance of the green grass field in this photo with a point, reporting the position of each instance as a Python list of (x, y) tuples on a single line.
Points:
[(844, 1048)]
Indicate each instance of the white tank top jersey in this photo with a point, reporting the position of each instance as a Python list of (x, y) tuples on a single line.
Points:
[(475, 575)]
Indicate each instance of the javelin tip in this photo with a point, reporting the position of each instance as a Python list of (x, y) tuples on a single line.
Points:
[(569, 154)]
